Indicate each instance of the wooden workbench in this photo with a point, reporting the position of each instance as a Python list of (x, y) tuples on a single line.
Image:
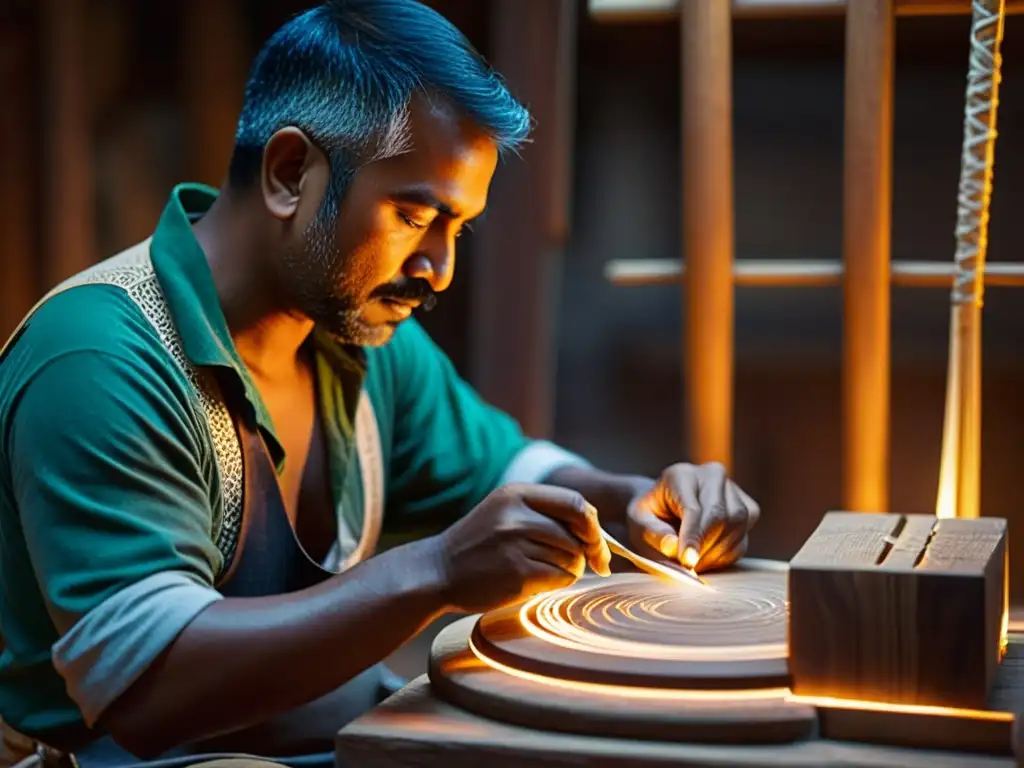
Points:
[(414, 728)]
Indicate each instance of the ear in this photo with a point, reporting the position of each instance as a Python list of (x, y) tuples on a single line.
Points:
[(287, 160)]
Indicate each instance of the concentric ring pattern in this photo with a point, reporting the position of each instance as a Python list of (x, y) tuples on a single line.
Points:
[(740, 617)]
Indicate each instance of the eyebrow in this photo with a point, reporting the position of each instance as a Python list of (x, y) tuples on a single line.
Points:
[(424, 198)]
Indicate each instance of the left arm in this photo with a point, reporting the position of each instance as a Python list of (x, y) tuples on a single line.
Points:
[(450, 449)]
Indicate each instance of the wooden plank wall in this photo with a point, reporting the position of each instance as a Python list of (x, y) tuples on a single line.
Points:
[(519, 245), (18, 276), (68, 206), (215, 61)]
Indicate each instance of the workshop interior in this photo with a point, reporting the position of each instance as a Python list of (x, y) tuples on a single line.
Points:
[(775, 234)]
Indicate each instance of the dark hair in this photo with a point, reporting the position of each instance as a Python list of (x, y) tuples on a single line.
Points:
[(344, 73)]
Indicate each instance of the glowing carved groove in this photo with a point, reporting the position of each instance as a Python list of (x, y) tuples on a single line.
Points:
[(639, 618), (633, 632), (581, 620)]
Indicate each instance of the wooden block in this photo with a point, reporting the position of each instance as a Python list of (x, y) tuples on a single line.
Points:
[(905, 609)]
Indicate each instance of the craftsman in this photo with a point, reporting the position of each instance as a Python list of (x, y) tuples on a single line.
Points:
[(202, 435)]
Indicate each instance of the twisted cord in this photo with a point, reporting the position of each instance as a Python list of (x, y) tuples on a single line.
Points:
[(975, 194)]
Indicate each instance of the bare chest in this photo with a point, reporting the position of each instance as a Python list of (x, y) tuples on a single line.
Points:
[(305, 481)]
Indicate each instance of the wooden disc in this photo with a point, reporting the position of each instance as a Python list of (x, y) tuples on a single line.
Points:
[(635, 630), (725, 717), (635, 657)]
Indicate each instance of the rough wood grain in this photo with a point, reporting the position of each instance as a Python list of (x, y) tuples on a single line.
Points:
[(416, 728), (901, 609)]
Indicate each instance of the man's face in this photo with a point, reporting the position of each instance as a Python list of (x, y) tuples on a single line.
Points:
[(391, 245)]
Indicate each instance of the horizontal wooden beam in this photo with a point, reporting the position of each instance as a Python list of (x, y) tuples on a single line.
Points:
[(758, 273), (645, 10)]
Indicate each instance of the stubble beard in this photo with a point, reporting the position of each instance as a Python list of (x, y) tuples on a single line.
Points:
[(315, 274)]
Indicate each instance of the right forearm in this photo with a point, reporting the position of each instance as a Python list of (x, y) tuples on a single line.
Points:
[(244, 660)]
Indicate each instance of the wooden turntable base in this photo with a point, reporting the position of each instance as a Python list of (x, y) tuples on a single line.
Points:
[(635, 657)]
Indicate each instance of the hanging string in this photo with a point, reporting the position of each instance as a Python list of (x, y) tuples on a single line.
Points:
[(975, 194)]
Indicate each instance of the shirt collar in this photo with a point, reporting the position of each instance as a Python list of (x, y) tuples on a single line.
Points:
[(187, 282)]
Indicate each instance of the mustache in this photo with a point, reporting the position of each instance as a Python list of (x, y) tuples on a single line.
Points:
[(415, 289)]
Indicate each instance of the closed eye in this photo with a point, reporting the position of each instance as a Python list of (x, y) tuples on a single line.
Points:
[(410, 221)]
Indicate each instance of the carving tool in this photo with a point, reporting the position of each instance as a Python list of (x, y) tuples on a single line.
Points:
[(686, 575)]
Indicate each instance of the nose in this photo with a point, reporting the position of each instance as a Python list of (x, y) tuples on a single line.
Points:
[(434, 260)]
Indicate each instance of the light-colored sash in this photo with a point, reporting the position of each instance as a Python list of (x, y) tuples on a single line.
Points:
[(132, 271)]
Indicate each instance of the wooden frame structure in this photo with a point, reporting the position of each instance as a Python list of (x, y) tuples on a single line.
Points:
[(866, 271), (646, 10)]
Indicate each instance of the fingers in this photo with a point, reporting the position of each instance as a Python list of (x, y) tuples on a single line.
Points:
[(715, 513), (725, 539), (726, 551), (547, 558), (571, 510), (657, 532), (724, 519), (685, 487), (546, 531)]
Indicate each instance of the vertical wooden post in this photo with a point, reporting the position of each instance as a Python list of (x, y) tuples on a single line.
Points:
[(708, 238), (69, 226), (18, 288), (215, 63), (561, 147), (960, 473), (867, 204), (519, 247)]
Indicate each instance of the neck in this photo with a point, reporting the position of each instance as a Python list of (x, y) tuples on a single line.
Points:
[(267, 335)]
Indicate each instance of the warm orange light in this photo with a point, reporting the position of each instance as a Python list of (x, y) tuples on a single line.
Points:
[(1004, 630), (945, 504), (1004, 633), (624, 691), (727, 696), (545, 617), (907, 709)]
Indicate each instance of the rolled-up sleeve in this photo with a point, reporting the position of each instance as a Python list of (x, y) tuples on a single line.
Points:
[(112, 485), (537, 460)]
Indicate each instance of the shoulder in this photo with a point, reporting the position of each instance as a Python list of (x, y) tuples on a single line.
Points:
[(92, 317), (86, 341)]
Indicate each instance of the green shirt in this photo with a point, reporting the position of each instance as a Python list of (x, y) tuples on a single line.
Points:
[(118, 501)]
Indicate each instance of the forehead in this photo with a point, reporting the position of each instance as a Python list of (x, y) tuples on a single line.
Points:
[(448, 154)]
